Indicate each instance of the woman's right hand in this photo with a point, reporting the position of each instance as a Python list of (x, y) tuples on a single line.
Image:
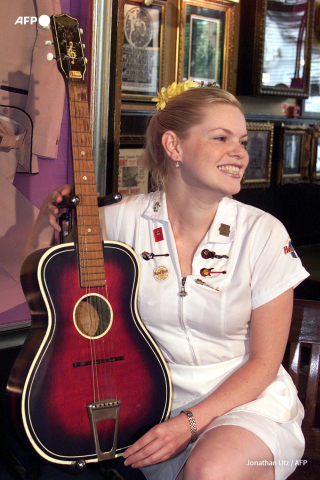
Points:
[(47, 222), (50, 207)]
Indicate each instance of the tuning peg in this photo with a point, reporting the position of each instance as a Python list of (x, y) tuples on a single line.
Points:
[(85, 60), (81, 31), (50, 57), (46, 27), (83, 45), (48, 43)]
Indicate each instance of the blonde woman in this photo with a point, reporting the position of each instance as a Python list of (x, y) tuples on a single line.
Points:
[(219, 305)]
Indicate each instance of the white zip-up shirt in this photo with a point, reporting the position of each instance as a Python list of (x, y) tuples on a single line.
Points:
[(202, 322)]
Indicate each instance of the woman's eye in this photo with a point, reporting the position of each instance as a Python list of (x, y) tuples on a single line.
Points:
[(220, 139), (244, 143)]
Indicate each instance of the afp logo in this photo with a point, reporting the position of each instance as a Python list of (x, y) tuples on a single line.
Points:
[(289, 249), (44, 20)]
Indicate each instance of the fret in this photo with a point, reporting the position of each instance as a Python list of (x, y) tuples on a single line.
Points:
[(88, 239), (88, 191), (84, 178), (88, 213), (93, 272), (87, 262), (83, 229), (93, 255), (92, 283)]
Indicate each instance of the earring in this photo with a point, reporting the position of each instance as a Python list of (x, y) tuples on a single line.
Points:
[(177, 164)]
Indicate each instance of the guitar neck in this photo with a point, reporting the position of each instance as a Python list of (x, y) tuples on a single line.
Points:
[(91, 264)]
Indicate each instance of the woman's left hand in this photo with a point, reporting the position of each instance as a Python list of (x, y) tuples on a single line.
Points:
[(162, 442)]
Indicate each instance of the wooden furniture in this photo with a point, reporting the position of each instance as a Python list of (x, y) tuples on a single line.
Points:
[(304, 339)]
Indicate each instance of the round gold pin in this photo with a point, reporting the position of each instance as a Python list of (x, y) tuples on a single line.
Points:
[(161, 273)]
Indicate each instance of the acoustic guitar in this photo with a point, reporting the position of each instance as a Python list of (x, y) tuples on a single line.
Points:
[(89, 380)]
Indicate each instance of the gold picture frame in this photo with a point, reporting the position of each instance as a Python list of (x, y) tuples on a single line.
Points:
[(143, 42), (205, 41), (260, 147), (275, 47), (295, 154)]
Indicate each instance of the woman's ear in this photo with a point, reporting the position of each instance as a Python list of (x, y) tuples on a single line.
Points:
[(170, 143)]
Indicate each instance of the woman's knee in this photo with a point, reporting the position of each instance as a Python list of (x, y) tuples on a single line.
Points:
[(223, 470), (223, 453), (207, 470)]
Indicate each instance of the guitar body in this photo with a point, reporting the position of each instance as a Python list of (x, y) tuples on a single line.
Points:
[(61, 369)]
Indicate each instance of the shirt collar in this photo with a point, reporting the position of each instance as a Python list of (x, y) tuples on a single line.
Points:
[(156, 206), (222, 229), (224, 226)]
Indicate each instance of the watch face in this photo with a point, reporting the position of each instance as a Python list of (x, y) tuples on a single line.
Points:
[(138, 27)]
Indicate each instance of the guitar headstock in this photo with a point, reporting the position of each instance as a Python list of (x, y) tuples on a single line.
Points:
[(68, 46)]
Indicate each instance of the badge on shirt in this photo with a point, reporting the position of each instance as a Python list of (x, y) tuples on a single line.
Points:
[(158, 234), (161, 273), (224, 230), (207, 272)]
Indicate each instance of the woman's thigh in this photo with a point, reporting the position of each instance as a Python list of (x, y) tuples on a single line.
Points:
[(229, 452)]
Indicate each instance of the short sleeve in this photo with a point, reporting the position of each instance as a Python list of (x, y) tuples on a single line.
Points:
[(119, 221), (108, 221), (275, 265)]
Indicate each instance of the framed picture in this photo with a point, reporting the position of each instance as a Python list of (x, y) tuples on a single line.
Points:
[(143, 50), (206, 41), (260, 146), (295, 154), (275, 47), (133, 178)]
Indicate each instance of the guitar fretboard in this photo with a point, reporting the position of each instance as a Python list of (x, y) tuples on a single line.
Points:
[(91, 263)]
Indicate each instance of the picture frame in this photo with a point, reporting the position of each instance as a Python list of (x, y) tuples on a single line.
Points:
[(205, 42), (275, 47), (144, 29), (260, 148), (295, 154), (105, 92)]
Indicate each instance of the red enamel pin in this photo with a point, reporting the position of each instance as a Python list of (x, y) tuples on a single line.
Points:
[(158, 234)]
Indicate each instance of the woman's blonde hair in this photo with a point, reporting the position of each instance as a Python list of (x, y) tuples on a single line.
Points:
[(179, 115)]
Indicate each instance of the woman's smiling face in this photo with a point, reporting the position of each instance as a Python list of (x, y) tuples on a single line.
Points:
[(214, 155)]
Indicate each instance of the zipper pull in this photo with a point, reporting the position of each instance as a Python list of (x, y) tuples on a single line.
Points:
[(183, 292)]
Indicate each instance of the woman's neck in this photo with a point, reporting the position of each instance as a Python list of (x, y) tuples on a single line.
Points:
[(190, 219), (190, 214)]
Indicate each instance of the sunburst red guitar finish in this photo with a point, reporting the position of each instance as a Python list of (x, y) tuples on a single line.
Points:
[(89, 380)]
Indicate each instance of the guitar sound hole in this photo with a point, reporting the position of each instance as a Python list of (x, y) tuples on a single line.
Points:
[(93, 316)]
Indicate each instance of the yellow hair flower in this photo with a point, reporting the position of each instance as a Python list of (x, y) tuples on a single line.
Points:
[(172, 91)]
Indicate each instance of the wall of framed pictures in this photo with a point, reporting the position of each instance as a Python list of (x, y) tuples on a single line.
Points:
[(170, 40)]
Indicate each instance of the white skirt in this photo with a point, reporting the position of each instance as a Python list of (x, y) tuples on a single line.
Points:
[(285, 440), (275, 416)]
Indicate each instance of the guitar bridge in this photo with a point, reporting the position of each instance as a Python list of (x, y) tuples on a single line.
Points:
[(107, 409)]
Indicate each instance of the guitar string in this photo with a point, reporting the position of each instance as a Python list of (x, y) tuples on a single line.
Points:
[(95, 344), (83, 263), (84, 245)]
